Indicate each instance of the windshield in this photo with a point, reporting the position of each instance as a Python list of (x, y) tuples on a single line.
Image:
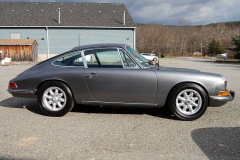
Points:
[(139, 57)]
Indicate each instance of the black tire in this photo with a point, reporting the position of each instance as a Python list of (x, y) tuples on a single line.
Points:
[(62, 98), (154, 59), (183, 99)]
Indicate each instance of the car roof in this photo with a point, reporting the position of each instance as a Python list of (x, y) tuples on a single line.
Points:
[(101, 45)]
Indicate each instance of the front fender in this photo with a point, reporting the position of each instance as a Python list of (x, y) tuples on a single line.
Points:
[(167, 80)]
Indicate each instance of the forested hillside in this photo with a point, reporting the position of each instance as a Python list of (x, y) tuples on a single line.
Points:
[(185, 39)]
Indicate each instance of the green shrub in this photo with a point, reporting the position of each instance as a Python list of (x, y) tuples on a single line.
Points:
[(237, 55), (162, 55)]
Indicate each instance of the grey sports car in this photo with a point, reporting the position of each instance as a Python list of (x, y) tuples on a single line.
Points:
[(115, 74)]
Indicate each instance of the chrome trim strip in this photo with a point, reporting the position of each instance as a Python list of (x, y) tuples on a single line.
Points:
[(20, 91), (118, 103)]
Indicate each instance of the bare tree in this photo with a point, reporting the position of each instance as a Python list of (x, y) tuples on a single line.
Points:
[(183, 38)]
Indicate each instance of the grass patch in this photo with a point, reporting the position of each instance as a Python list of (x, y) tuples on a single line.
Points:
[(169, 57), (227, 60)]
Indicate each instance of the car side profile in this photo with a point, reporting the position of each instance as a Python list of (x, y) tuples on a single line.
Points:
[(115, 74)]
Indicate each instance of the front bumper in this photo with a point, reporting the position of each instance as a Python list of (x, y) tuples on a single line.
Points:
[(23, 93), (216, 101)]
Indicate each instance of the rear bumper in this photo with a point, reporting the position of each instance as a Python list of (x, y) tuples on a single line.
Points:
[(216, 101), (23, 93)]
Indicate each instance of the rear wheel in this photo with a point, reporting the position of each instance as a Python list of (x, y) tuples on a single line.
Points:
[(55, 99), (188, 101)]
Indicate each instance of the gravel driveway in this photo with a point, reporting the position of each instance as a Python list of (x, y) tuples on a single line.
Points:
[(90, 132)]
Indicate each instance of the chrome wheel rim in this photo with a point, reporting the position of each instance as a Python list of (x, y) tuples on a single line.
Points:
[(54, 99), (188, 102)]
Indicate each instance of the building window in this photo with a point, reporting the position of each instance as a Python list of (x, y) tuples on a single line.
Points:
[(15, 35)]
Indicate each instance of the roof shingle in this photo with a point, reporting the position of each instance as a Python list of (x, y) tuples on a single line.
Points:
[(72, 14)]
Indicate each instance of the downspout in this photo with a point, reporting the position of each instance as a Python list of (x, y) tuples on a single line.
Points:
[(134, 38), (124, 18), (47, 43)]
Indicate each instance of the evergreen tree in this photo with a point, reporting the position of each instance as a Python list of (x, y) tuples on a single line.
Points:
[(214, 47), (219, 49), (211, 47), (236, 43)]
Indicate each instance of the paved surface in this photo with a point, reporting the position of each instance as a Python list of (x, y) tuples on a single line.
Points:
[(107, 133)]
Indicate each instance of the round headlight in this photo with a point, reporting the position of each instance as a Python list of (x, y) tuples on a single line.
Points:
[(225, 80)]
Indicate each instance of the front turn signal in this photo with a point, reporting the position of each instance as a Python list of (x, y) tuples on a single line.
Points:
[(224, 93)]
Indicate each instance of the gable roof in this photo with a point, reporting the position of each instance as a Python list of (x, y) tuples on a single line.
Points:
[(72, 14), (17, 42)]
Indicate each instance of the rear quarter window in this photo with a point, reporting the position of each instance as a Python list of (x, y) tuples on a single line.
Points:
[(74, 59)]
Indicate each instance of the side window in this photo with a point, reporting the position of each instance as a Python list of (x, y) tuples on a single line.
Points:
[(91, 59), (106, 58), (74, 59), (127, 61)]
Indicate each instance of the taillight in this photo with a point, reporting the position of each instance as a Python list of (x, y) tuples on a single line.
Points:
[(12, 85)]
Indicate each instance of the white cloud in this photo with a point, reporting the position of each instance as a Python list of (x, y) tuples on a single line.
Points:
[(197, 11)]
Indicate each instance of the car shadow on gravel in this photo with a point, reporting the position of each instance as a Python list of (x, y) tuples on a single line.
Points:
[(218, 143), (29, 104), (32, 105), (156, 112)]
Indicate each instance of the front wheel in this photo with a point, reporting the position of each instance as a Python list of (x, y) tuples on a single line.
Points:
[(188, 101), (55, 99)]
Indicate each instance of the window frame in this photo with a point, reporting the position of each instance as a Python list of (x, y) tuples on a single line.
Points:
[(135, 60), (80, 51), (118, 49), (137, 65)]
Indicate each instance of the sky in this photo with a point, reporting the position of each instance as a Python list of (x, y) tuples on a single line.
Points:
[(168, 12)]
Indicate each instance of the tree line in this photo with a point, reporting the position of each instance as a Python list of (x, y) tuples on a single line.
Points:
[(183, 39)]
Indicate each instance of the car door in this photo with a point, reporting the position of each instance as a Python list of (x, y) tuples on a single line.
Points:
[(112, 76), (72, 73)]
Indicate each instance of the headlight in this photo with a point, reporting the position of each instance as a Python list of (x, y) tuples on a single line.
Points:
[(225, 80)]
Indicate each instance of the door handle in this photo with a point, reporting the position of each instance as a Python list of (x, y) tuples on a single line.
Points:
[(90, 75)]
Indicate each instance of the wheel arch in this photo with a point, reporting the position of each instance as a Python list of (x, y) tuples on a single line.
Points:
[(204, 88), (52, 80)]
